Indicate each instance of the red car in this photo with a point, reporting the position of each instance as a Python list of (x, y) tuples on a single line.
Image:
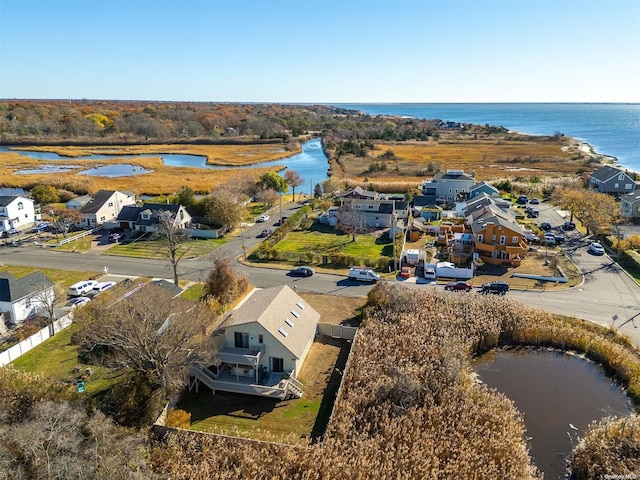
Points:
[(458, 286), (405, 272)]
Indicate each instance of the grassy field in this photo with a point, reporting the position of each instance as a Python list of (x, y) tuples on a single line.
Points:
[(57, 359), (153, 248), (491, 157), (63, 277), (323, 240)]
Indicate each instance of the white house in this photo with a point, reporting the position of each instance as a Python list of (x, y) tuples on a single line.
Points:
[(104, 207), (22, 298), (16, 212), (263, 345)]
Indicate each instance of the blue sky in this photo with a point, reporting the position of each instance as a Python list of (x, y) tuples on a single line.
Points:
[(322, 50)]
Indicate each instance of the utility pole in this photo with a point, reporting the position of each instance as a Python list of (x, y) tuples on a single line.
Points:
[(280, 208), (244, 248)]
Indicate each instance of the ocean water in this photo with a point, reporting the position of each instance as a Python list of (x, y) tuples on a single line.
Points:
[(611, 129)]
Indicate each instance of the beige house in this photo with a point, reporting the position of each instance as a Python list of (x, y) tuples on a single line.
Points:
[(104, 207), (262, 345)]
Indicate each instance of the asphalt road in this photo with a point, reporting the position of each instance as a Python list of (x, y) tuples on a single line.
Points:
[(608, 295)]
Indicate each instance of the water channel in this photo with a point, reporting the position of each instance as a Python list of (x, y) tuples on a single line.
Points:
[(558, 394), (311, 163)]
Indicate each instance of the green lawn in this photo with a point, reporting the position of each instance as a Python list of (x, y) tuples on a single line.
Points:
[(153, 248), (323, 240), (57, 359), (63, 277), (250, 416), (194, 292)]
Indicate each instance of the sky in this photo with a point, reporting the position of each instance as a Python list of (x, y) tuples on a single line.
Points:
[(322, 51)]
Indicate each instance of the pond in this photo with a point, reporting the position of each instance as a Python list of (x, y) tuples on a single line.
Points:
[(559, 395), (118, 170), (47, 169), (311, 163)]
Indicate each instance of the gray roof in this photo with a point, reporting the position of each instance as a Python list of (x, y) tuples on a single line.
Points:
[(359, 192), (605, 173), (454, 175), (13, 289), (483, 184), (270, 308), (82, 200), (131, 213), (170, 286), (5, 200), (424, 200), (98, 201), (631, 197), (493, 214)]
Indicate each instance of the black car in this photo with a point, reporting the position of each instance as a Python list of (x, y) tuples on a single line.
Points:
[(546, 226), (265, 233), (302, 272), (569, 226), (11, 232), (497, 288), (558, 238)]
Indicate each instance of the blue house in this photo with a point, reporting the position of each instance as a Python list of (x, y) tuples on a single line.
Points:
[(483, 187)]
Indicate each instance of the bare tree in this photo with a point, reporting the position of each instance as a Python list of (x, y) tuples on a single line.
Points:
[(350, 221), (174, 242), (59, 440), (294, 180), (268, 196), (63, 219), (147, 331), (46, 298)]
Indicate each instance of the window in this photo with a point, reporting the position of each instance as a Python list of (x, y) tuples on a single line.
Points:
[(283, 332), (493, 239), (20, 206), (111, 204), (627, 186), (260, 339), (503, 239), (621, 177), (451, 190), (617, 185), (277, 364), (300, 306), (241, 340), (514, 240), (288, 322), (480, 238), (295, 314)]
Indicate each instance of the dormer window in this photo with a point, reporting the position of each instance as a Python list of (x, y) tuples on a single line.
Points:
[(145, 215)]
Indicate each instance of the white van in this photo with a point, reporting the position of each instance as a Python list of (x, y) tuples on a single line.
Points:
[(363, 274), (81, 288)]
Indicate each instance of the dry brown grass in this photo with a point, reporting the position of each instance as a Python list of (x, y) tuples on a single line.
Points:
[(232, 155), (489, 157), (334, 309), (163, 179)]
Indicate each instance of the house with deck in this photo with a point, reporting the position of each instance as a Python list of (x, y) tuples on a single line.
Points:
[(611, 180), (498, 238), (448, 187), (262, 346)]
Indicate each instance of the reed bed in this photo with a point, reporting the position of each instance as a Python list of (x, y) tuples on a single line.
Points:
[(409, 407), (162, 180), (230, 155)]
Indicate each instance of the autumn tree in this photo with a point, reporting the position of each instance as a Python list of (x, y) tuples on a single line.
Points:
[(186, 197), (598, 212), (63, 219), (224, 284), (274, 181), (225, 207), (268, 197), (294, 180), (145, 329), (44, 194), (173, 241)]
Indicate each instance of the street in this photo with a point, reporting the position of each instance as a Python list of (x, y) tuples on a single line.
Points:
[(608, 296)]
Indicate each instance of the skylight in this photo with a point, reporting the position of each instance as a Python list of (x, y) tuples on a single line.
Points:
[(295, 314), (288, 322), (300, 306), (283, 332)]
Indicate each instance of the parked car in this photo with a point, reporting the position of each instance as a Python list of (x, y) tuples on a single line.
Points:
[(569, 226), (76, 302), (496, 288), (102, 286), (546, 226), (302, 272), (534, 201), (11, 232), (265, 233), (363, 274), (596, 249), (263, 218), (281, 221), (550, 238), (429, 273), (405, 272), (558, 238), (40, 228), (459, 286), (522, 200), (115, 237), (533, 213), (81, 288)]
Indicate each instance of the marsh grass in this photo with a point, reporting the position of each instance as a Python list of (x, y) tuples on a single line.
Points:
[(162, 179)]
